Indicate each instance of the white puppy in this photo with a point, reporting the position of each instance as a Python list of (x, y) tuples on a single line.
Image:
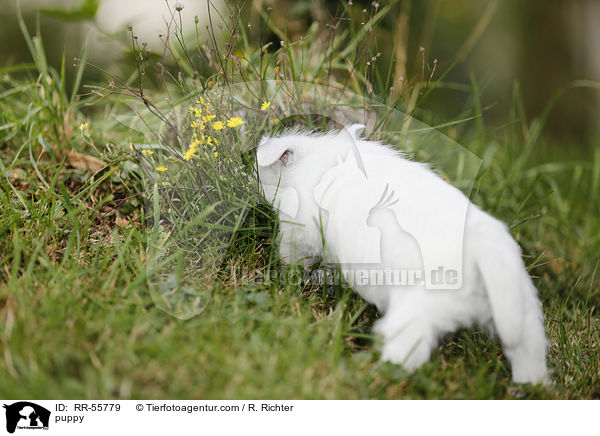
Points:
[(407, 241)]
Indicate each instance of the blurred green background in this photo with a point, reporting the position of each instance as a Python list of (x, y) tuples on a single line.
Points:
[(538, 45)]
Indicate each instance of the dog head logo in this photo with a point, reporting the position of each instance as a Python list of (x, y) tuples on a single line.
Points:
[(26, 415)]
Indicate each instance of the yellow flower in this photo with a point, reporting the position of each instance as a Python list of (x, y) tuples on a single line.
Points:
[(197, 112), (216, 154), (218, 125), (197, 125), (207, 118), (274, 120), (147, 152), (265, 105), (234, 122), (189, 154), (161, 169), (84, 128)]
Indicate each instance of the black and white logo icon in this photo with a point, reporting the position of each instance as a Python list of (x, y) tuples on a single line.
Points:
[(26, 415)]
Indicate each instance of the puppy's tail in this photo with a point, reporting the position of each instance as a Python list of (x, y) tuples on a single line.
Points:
[(516, 310)]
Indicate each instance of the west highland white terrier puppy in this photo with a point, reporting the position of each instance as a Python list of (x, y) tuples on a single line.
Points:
[(406, 241)]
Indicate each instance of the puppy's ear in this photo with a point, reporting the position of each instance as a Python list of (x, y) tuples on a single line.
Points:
[(269, 154), (354, 130)]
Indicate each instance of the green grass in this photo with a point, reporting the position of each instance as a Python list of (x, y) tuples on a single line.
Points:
[(77, 319)]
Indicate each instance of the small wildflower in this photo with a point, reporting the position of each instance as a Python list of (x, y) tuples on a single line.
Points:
[(265, 105), (179, 6), (193, 148), (197, 112), (191, 153), (216, 154), (274, 120), (218, 125), (161, 169), (147, 152), (83, 127), (207, 118), (234, 122)]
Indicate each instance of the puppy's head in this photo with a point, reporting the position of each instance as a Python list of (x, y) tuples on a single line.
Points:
[(291, 165)]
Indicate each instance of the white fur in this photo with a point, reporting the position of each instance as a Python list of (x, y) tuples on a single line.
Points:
[(326, 188)]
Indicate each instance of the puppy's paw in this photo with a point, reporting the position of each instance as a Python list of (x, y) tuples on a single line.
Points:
[(410, 354), (409, 346)]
